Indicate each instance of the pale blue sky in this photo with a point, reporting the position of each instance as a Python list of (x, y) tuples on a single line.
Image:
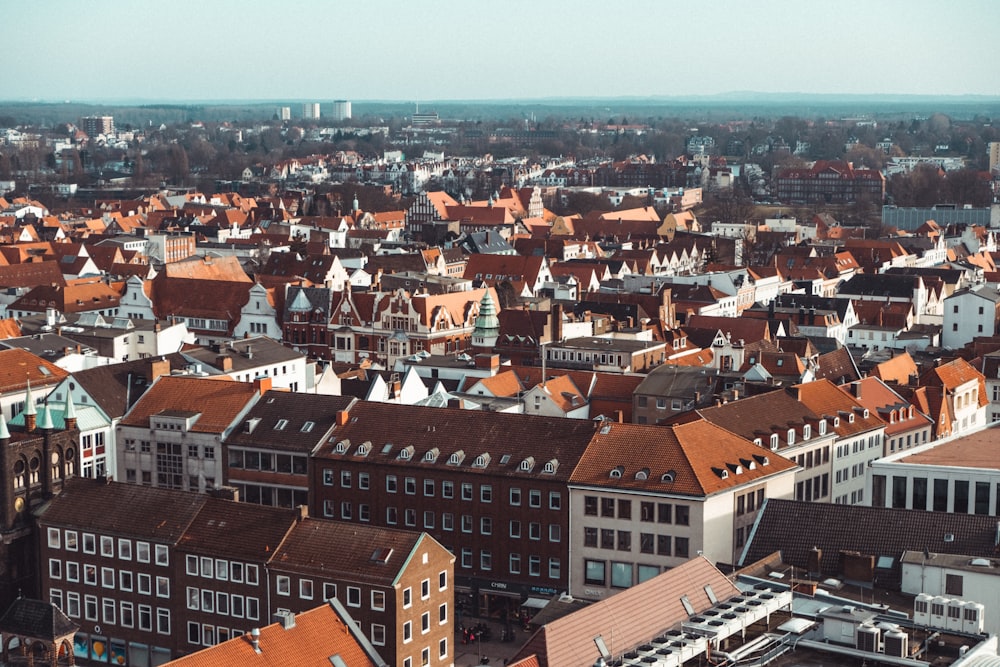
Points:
[(411, 50)]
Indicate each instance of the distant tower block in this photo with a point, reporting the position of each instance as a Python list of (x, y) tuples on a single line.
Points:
[(95, 125), (341, 110), (284, 113), (310, 110)]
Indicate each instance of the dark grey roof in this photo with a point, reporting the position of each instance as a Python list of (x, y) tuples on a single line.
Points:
[(246, 353), (949, 276), (680, 382), (795, 527), (36, 619), (879, 284), (308, 418), (319, 298), (487, 243)]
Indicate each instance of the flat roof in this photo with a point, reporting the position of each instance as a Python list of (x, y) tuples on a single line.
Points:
[(617, 344), (976, 450)]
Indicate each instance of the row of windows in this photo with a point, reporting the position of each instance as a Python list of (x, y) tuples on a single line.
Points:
[(621, 540), (70, 540), (467, 558), (111, 611), (222, 570), (224, 604), (425, 623), (108, 577), (648, 511), (425, 653), (210, 635), (291, 464), (617, 574)]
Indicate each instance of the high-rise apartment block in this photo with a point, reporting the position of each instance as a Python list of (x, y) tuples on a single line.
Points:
[(341, 110), (283, 113), (95, 125), (310, 110)]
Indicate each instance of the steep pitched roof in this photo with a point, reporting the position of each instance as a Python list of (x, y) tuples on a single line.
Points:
[(116, 387), (317, 637), (898, 369), (18, 367), (702, 457), (36, 619)]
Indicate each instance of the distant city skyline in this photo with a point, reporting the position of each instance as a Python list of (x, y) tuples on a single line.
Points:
[(470, 50)]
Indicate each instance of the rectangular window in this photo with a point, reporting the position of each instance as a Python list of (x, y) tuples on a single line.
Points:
[(378, 600), (447, 489), (515, 497), (89, 544), (55, 568), (90, 607), (621, 575), (466, 492), (534, 498), (407, 631), (163, 621), (145, 618), (71, 540), (108, 577), (73, 604), (283, 585), (162, 554), (486, 493), (664, 513), (681, 547), (145, 583), (378, 634), (953, 584), (590, 505), (54, 535), (608, 507), (353, 596), (682, 515), (127, 614), (73, 571), (555, 500), (594, 572), (306, 589)]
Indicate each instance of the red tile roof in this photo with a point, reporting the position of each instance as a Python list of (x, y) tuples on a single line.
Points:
[(18, 367)]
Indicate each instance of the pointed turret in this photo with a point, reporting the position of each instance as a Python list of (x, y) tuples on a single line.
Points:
[(4, 432), (69, 412), (30, 412), (45, 419), (487, 325)]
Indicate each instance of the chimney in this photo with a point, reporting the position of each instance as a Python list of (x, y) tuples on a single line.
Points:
[(285, 617), (490, 362), (262, 384), (557, 323), (342, 416), (814, 561), (224, 363), (255, 639), (157, 367), (856, 389), (302, 512), (802, 315)]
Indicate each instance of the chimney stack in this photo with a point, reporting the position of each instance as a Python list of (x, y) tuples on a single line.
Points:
[(255, 639)]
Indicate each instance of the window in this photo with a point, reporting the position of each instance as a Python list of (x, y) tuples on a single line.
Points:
[(162, 587), (54, 536), (466, 492), (89, 544), (407, 597), (442, 580), (90, 574), (145, 617), (163, 621), (193, 598), (55, 568), (364, 481), (594, 572), (486, 525), (590, 505), (71, 540), (127, 614), (447, 489), (283, 584), (73, 571), (555, 532), (353, 596), (555, 500), (108, 610), (608, 507), (407, 631), (329, 591), (515, 528), (663, 545), (409, 486), (681, 547), (953, 584), (682, 515), (624, 540), (535, 530), (555, 568), (486, 560), (194, 633), (378, 600), (442, 613), (425, 622), (590, 536), (429, 487), (306, 589), (486, 493), (443, 648), (390, 484), (108, 577), (515, 497), (624, 509), (425, 589), (514, 563), (73, 604), (378, 634), (162, 554), (534, 498), (90, 607)]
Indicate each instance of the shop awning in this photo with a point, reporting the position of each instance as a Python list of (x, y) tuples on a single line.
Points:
[(503, 594), (535, 603)]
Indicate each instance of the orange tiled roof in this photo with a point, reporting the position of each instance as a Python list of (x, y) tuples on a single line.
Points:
[(899, 369), (317, 634), (18, 367)]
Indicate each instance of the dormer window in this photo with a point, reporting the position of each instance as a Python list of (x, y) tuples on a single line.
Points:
[(431, 455), (364, 448), (758, 442), (892, 416), (551, 467), (791, 437), (774, 441), (527, 464), (866, 413), (668, 476), (482, 460), (836, 422), (406, 453), (617, 472), (910, 412), (806, 432), (456, 458), (341, 447), (642, 474), (822, 426), (850, 418)]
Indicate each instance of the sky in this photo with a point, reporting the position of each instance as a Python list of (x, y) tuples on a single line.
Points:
[(414, 50)]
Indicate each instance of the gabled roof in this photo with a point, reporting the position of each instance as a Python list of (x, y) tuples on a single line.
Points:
[(116, 387), (312, 547), (218, 401), (317, 637), (631, 617), (898, 369), (838, 366), (953, 374), (244, 531)]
